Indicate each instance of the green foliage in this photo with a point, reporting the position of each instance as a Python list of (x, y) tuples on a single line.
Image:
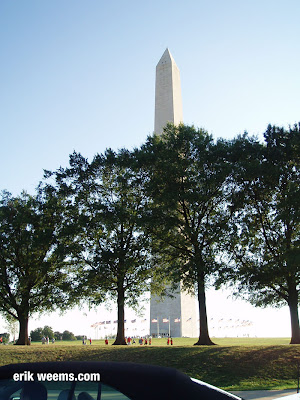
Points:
[(57, 335), (38, 333), (265, 232), (104, 212), (188, 216), (48, 332), (67, 335), (33, 273)]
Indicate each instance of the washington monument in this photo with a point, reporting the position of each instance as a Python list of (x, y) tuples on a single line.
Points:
[(168, 103), (176, 316)]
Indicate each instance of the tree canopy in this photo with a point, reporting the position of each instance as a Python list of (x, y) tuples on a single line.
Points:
[(107, 200), (265, 232), (33, 273), (183, 208), (187, 184)]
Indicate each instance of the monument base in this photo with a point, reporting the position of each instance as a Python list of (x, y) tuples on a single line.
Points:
[(175, 316)]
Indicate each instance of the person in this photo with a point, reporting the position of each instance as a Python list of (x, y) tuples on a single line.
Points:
[(168, 342), (150, 340), (129, 340), (146, 342), (106, 341), (29, 340), (171, 342), (133, 341), (90, 340), (43, 340), (53, 340), (83, 340)]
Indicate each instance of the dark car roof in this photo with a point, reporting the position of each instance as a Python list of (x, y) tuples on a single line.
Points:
[(137, 381)]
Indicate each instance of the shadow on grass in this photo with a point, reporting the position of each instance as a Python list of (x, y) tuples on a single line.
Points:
[(231, 368)]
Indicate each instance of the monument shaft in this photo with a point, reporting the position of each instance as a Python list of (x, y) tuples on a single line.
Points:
[(168, 102), (176, 316)]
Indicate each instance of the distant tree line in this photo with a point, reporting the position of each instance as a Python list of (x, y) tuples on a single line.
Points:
[(181, 208), (37, 334)]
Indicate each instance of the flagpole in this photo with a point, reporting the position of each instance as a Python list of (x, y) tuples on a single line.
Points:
[(157, 327)]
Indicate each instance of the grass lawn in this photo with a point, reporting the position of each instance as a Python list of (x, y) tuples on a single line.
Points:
[(234, 364)]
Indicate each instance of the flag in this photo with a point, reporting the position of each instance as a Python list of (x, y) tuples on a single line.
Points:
[(189, 319), (133, 321), (177, 320), (124, 320), (116, 321), (108, 322), (154, 320), (165, 320)]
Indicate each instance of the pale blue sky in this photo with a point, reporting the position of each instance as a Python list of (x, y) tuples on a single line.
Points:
[(80, 75)]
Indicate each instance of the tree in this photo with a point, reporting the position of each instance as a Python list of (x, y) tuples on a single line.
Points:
[(36, 335), (57, 335), (106, 206), (48, 332), (188, 217), (265, 233), (33, 274), (67, 335)]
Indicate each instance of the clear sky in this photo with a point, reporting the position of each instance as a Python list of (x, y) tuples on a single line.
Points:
[(80, 75)]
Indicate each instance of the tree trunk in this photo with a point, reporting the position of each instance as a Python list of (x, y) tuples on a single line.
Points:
[(204, 338), (120, 339), (23, 332), (293, 306)]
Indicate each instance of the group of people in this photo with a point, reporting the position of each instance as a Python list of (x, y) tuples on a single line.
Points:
[(84, 341), (45, 340), (170, 341), (141, 341), (146, 341)]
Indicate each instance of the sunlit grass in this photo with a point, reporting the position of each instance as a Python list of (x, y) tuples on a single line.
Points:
[(185, 342)]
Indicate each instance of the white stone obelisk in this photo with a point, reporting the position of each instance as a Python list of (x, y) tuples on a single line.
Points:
[(177, 315), (168, 102)]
